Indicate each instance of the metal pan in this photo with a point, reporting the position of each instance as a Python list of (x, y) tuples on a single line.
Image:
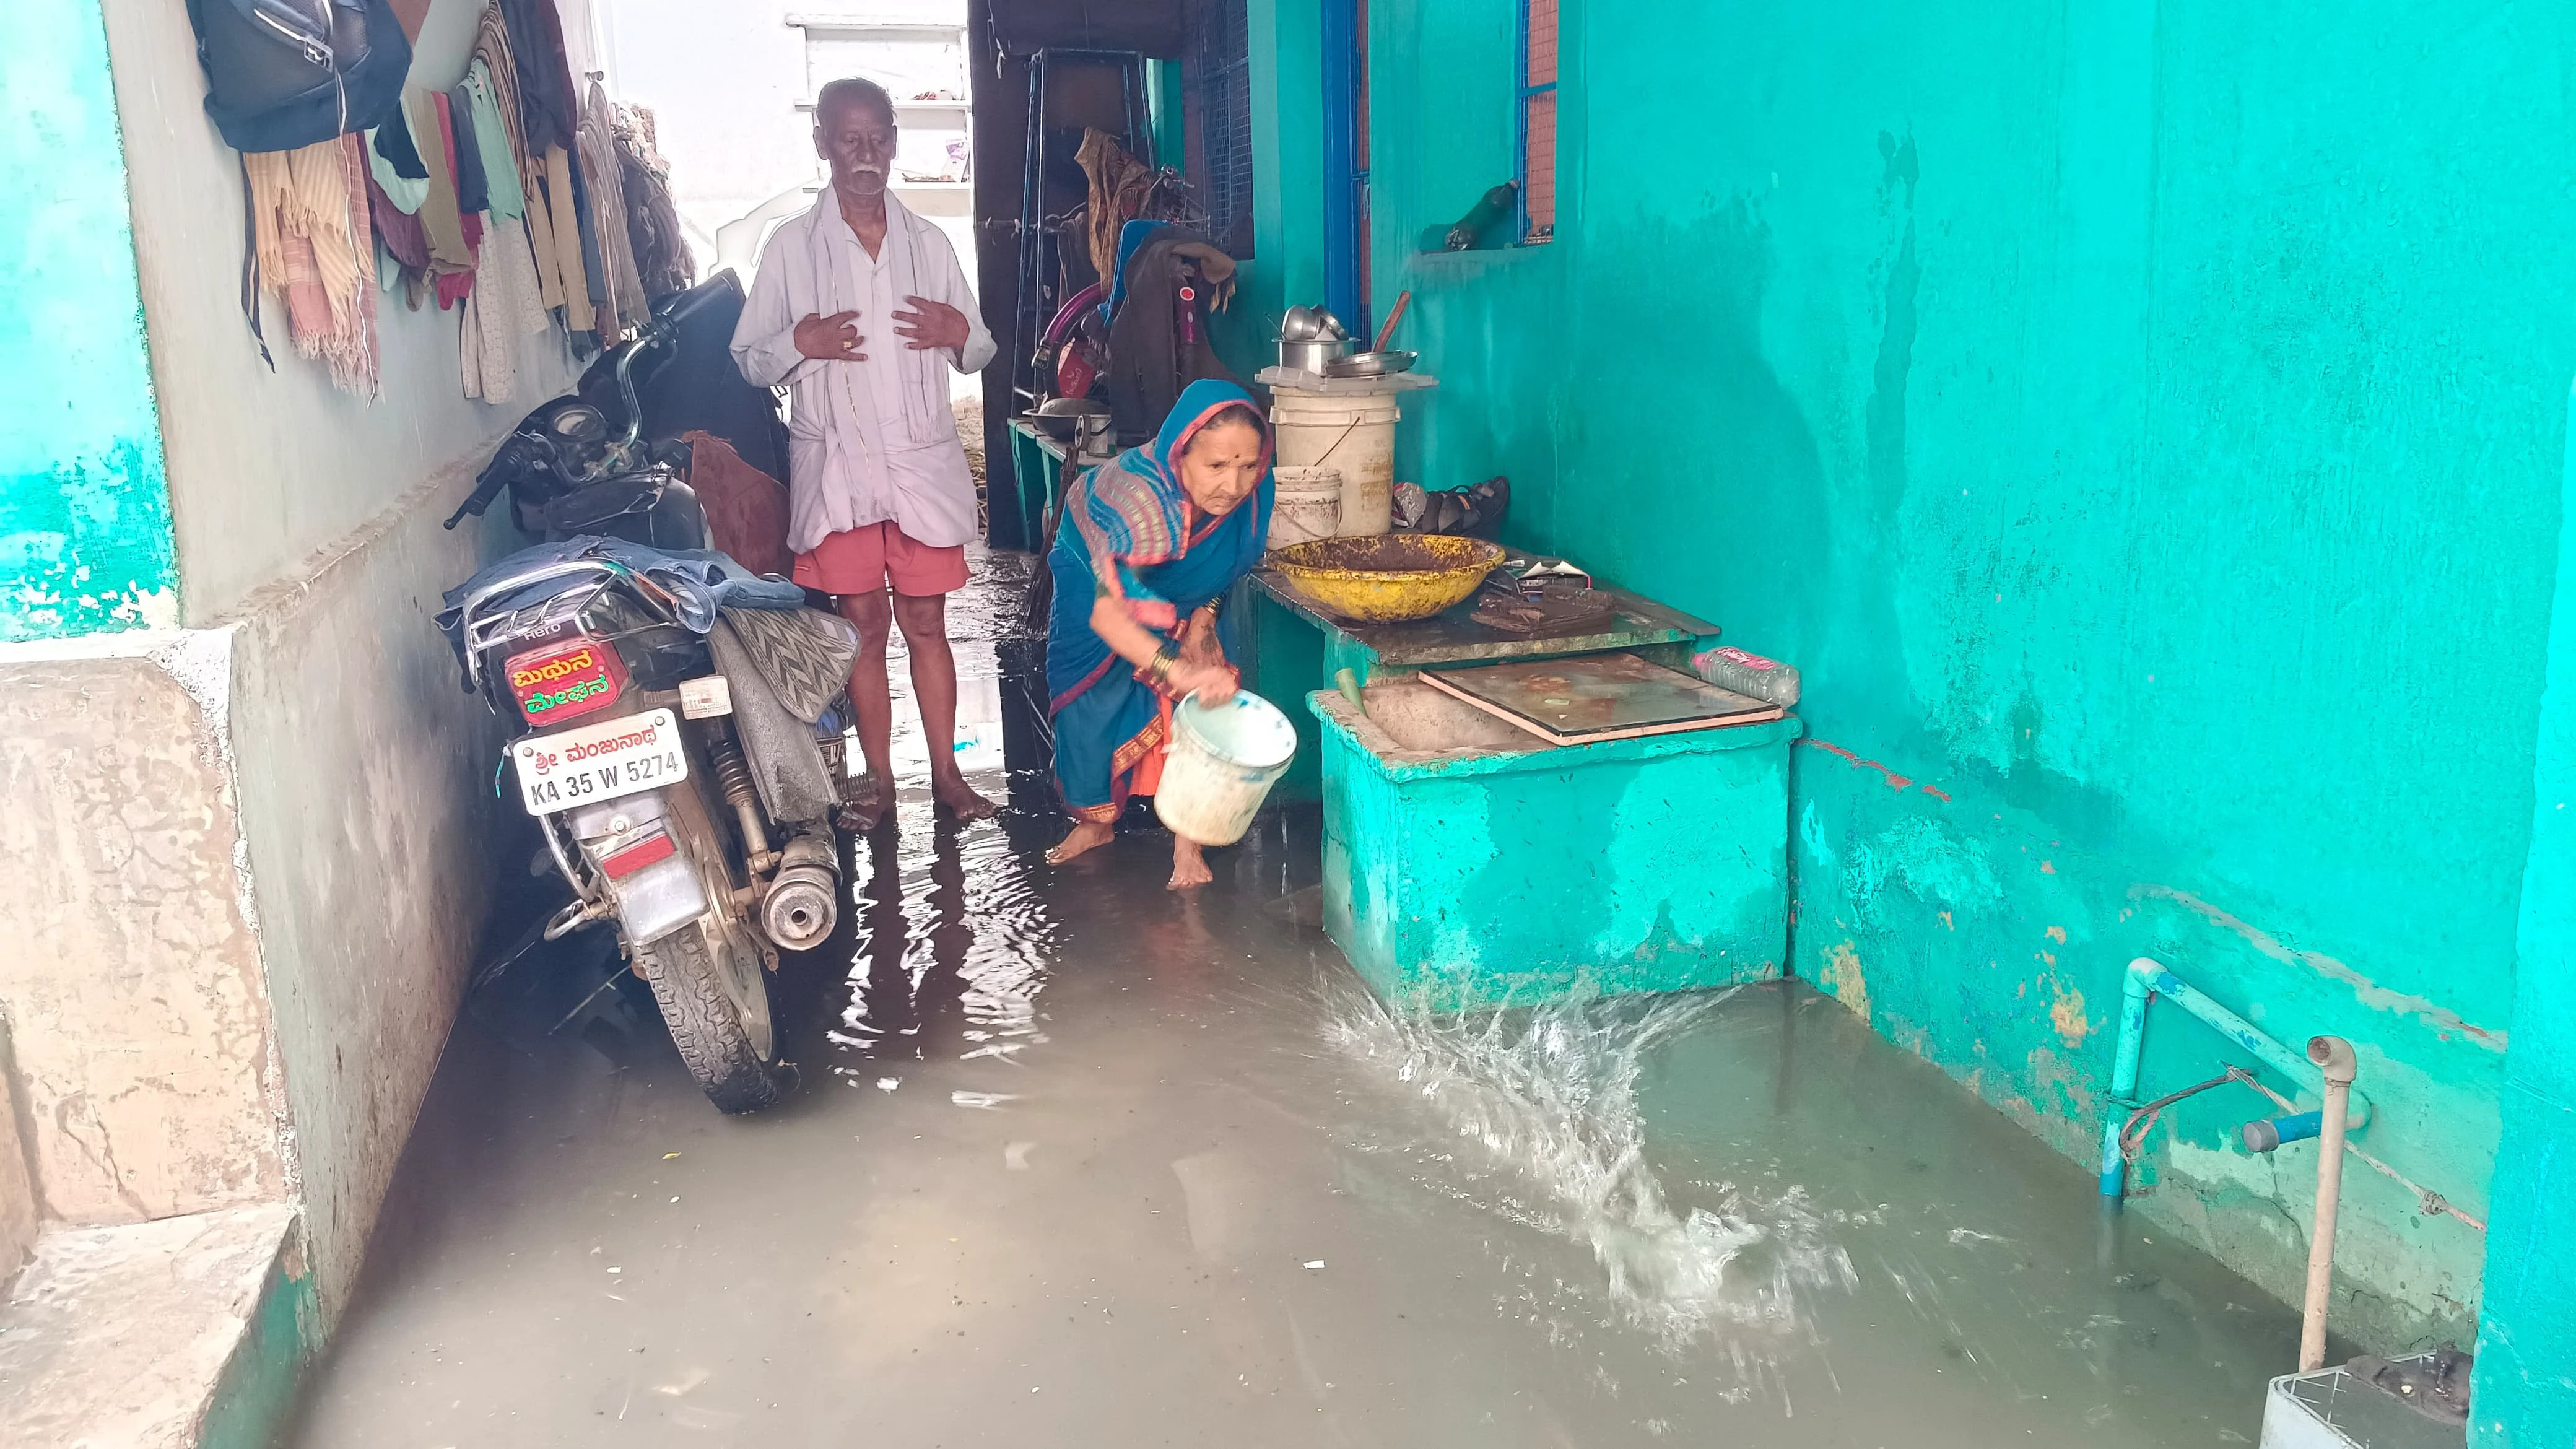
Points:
[(1370, 364)]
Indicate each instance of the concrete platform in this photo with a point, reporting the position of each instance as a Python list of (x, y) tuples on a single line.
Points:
[(171, 1334), (1466, 864)]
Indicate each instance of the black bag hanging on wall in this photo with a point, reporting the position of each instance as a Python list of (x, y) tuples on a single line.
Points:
[(284, 74)]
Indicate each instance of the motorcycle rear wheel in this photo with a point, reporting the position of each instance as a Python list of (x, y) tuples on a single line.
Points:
[(712, 983), (727, 1041)]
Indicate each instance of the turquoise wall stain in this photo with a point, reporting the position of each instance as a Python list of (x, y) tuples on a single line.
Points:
[(2142, 424), (85, 543), (2525, 1392)]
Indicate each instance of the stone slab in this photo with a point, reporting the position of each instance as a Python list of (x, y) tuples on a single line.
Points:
[(167, 1334)]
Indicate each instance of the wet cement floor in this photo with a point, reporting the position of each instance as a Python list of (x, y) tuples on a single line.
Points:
[(1077, 1162)]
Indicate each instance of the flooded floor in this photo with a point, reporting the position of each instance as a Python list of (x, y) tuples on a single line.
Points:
[(1077, 1162)]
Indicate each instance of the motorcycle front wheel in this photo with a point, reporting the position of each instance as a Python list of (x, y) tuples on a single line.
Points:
[(713, 987)]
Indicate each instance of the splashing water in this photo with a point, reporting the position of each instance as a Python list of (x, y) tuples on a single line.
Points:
[(1545, 1101)]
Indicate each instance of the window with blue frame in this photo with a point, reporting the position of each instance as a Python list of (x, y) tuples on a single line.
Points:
[(1222, 58), (1538, 121)]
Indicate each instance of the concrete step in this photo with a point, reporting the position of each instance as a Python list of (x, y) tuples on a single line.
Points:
[(172, 1334)]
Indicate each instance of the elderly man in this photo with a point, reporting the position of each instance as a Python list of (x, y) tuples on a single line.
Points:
[(860, 307)]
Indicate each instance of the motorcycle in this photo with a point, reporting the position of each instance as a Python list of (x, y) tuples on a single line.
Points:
[(671, 708)]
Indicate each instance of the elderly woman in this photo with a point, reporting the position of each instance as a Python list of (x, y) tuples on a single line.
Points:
[(1149, 544)]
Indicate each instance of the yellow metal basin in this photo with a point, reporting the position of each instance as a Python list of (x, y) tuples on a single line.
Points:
[(1390, 577)]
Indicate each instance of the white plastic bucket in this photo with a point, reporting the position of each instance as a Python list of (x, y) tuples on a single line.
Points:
[(1224, 759), (1306, 506), (1355, 435)]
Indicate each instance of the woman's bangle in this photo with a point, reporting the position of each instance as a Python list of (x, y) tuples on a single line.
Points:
[(1158, 670)]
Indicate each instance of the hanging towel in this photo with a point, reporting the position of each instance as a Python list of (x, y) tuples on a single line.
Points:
[(309, 229)]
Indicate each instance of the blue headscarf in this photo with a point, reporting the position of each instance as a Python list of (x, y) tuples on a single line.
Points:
[(1129, 532)]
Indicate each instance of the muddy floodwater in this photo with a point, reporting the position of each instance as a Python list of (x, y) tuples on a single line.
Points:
[(1077, 1162)]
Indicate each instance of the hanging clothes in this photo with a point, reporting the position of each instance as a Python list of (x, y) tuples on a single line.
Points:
[(439, 215), (453, 282), (493, 52), (1119, 186), (499, 313), (492, 139), (473, 190), (563, 228), (549, 107), (309, 228), (662, 259), (605, 172)]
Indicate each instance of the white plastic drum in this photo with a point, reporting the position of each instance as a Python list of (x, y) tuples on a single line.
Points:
[(1224, 759), (1354, 435), (1306, 506)]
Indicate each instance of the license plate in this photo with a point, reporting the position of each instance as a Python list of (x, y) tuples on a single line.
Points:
[(599, 762)]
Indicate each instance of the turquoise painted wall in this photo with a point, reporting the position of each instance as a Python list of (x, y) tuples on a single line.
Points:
[(2526, 1383), (1287, 266), (85, 540), (2142, 424)]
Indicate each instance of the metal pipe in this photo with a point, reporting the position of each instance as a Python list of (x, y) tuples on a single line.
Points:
[(2333, 1057), (2147, 979)]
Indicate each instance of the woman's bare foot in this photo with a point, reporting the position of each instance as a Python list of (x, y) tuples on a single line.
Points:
[(1087, 836), (1189, 865), (959, 799)]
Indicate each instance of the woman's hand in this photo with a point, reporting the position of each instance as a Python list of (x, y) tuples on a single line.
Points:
[(1212, 683), (1199, 643)]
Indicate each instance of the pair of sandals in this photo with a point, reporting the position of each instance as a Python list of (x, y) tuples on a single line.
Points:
[(1472, 512)]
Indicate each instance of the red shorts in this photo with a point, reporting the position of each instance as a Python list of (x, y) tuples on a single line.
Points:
[(864, 560)]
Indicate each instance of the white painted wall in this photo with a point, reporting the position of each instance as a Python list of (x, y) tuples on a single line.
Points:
[(724, 83), (367, 807), (307, 523), (269, 470)]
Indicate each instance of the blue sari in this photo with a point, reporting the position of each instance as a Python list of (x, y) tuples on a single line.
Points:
[(1129, 533)]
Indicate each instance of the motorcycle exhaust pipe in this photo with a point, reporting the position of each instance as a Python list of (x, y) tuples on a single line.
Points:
[(803, 901)]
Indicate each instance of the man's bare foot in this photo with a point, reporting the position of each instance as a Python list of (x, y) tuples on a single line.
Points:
[(1189, 865), (959, 799), (1087, 836)]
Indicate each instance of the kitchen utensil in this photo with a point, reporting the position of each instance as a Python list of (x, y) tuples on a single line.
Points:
[(1387, 577), (1060, 417), (1394, 315), (1370, 364), (1310, 324), (1306, 507), (1312, 354)]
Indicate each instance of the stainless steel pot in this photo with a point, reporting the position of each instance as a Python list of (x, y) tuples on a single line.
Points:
[(1313, 354)]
